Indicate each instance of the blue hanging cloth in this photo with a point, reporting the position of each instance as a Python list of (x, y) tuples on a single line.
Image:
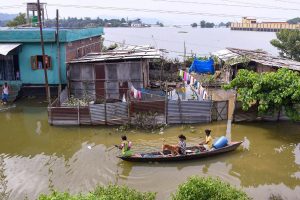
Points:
[(202, 66)]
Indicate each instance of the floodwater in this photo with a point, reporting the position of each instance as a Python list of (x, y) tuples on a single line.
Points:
[(201, 41), (36, 157)]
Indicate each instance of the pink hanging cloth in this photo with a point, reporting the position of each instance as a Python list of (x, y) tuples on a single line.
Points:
[(185, 76), (139, 95)]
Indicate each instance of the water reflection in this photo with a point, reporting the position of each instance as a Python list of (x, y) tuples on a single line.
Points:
[(36, 157), (38, 129), (246, 144)]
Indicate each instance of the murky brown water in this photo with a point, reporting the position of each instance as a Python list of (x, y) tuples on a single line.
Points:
[(35, 157)]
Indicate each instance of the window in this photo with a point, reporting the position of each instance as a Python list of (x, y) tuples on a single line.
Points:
[(37, 62)]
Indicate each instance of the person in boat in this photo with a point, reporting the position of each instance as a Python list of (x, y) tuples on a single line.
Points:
[(207, 144), (125, 146), (182, 144), (179, 149), (5, 92)]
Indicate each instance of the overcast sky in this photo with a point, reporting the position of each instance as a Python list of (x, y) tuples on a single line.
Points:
[(192, 10)]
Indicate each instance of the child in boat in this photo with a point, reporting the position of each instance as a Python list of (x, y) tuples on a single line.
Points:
[(182, 144), (125, 146), (207, 144)]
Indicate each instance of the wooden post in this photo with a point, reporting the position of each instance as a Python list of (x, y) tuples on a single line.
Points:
[(58, 55), (78, 114), (166, 103), (129, 104), (43, 53), (184, 55), (105, 113)]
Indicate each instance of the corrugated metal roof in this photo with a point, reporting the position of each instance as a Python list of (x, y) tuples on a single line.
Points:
[(258, 56), (121, 53), (5, 48)]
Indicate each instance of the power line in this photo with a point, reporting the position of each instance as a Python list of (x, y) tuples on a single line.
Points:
[(230, 5), (290, 2), (11, 6), (179, 52), (154, 11), (168, 41)]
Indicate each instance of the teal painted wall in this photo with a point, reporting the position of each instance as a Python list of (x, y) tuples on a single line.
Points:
[(30, 40), (33, 34), (29, 76)]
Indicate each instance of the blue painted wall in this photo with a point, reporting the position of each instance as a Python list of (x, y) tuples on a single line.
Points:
[(30, 76)]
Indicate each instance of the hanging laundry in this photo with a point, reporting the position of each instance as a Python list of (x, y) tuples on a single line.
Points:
[(195, 84), (132, 91), (139, 95), (201, 91), (198, 85), (135, 93), (205, 95), (192, 80), (124, 98), (181, 73)]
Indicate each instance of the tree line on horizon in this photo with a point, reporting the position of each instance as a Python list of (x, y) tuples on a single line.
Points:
[(204, 24), (74, 22)]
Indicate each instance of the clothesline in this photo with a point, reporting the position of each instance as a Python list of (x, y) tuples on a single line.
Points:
[(194, 83)]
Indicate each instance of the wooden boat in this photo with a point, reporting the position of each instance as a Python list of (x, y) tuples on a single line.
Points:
[(192, 154)]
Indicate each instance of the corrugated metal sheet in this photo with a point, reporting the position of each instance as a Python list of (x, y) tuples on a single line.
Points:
[(189, 112), (258, 56), (5, 48), (116, 113), (148, 106), (122, 53)]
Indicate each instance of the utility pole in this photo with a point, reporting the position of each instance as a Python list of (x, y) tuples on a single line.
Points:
[(58, 54), (184, 54), (43, 53)]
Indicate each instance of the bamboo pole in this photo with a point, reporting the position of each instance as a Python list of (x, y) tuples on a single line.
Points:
[(43, 53)]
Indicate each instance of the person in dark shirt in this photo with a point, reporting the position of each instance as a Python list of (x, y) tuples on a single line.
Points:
[(182, 144)]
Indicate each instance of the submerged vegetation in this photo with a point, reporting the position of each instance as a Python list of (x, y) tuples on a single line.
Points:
[(196, 188), (111, 192), (202, 188)]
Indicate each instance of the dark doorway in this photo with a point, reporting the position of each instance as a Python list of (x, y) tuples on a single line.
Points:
[(100, 81), (9, 68)]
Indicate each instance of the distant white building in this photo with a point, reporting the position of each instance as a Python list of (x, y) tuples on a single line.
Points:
[(136, 23)]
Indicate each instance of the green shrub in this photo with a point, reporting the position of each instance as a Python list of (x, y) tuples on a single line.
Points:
[(111, 192), (199, 188)]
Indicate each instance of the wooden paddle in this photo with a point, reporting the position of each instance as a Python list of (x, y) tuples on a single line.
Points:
[(111, 148)]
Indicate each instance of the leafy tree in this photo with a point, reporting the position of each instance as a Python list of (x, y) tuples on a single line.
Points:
[(194, 25), (18, 20), (202, 24), (294, 21), (288, 42), (209, 25), (160, 24), (123, 20), (222, 24), (270, 91), (228, 24)]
